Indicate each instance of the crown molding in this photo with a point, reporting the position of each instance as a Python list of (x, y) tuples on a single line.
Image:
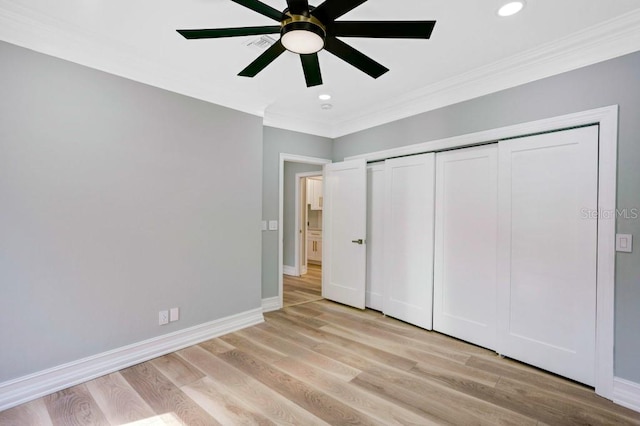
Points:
[(43, 33), (607, 40), (297, 124), (37, 31)]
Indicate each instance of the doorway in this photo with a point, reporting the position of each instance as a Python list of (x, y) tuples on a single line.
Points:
[(301, 287), (303, 282)]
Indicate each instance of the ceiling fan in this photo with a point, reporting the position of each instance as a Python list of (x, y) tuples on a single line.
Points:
[(306, 30)]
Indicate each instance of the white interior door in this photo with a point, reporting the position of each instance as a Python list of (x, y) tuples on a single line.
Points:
[(375, 236), (466, 238), (344, 232), (547, 251), (408, 242)]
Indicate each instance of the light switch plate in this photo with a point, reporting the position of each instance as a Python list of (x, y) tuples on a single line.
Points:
[(624, 243), (273, 225)]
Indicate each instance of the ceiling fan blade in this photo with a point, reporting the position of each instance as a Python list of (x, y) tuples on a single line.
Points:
[(333, 9), (229, 32), (261, 8), (263, 60), (383, 29), (311, 68), (358, 59), (298, 7)]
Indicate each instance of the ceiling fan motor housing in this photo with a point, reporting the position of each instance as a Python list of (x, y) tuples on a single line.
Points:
[(302, 34)]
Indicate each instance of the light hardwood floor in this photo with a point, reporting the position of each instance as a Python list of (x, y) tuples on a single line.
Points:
[(323, 363), (304, 289)]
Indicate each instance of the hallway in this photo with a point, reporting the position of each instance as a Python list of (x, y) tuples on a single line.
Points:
[(303, 289)]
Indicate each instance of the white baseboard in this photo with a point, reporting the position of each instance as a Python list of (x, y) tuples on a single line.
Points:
[(626, 393), (289, 270), (271, 304), (36, 385)]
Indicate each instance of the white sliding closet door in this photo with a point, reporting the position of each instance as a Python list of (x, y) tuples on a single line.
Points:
[(375, 236), (408, 242), (547, 251), (344, 225), (466, 237)]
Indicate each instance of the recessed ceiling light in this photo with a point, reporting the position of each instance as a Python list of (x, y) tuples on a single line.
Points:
[(511, 8), (324, 97)]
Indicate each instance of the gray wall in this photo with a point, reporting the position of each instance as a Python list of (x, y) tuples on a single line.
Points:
[(275, 142), (613, 82), (117, 200), (289, 207)]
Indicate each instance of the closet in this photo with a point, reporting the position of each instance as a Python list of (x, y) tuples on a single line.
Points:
[(547, 250), (408, 238), (465, 246), (489, 244)]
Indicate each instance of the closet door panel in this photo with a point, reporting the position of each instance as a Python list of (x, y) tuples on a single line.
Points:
[(375, 237), (408, 247), (547, 257), (466, 233)]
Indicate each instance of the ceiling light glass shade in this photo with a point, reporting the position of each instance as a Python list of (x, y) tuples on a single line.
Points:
[(511, 8), (302, 41), (302, 37), (324, 97)]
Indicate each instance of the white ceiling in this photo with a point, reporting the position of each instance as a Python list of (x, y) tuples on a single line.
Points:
[(472, 52)]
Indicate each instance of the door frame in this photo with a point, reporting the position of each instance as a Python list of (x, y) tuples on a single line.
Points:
[(297, 262), (607, 119), (294, 159)]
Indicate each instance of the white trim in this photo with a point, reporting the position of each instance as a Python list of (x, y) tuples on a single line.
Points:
[(607, 118), (626, 393), (570, 120), (294, 159), (271, 304), (605, 297), (27, 27), (297, 124), (299, 267), (607, 40), (290, 270), (27, 388)]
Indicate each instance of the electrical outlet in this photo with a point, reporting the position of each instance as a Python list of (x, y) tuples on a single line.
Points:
[(163, 317), (174, 314)]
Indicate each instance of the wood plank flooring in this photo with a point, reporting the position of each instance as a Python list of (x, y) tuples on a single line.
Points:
[(304, 289), (322, 363)]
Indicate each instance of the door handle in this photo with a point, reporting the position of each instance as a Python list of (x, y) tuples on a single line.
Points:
[(360, 241)]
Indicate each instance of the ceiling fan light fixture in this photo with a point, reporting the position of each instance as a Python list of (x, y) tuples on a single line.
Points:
[(302, 35), (511, 8), (305, 30)]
